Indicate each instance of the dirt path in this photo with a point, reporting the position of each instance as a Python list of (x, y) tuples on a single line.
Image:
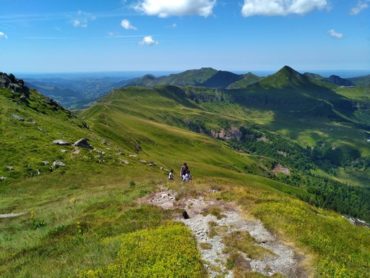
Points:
[(211, 229)]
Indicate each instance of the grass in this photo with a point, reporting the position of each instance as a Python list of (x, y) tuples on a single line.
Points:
[(243, 242), (154, 253)]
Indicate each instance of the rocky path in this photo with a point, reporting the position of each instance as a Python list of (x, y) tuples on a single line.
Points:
[(210, 231)]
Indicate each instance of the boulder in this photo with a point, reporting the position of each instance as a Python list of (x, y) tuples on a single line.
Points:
[(61, 142), (83, 143)]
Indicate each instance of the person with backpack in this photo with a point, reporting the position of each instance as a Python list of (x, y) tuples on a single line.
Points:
[(185, 172)]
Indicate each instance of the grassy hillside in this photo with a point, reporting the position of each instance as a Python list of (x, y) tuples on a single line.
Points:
[(84, 219)]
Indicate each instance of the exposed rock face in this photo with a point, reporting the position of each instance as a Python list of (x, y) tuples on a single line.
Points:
[(13, 84), (233, 133), (83, 143), (279, 169)]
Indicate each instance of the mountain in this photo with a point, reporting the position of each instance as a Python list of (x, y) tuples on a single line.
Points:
[(204, 77), (247, 79), (288, 92), (108, 209), (337, 80)]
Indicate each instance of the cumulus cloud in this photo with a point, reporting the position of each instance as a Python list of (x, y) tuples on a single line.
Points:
[(361, 5), (334, 34), (3, 36), (281, 7), (126, 24), (148, 40), (82, 19), (166, 8)]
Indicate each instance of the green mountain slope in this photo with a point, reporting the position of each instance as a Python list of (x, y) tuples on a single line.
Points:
[(90, 213), (247, 80)]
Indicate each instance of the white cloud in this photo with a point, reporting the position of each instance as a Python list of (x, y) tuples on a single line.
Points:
[(126, 24), (334, 34), (166, 8), (281, 7), (148, 40), (3, 36), (82, 19), (361, 5)]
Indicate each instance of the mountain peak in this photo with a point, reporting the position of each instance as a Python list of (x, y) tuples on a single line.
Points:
[(288, 70), (285, 77)]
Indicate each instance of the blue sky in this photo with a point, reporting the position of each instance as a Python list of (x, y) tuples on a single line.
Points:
[(119, 35)]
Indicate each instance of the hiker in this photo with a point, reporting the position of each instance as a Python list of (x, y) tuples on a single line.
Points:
[(171, 176), (185, 172)]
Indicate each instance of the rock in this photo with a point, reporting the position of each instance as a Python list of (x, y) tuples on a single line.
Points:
[(61, 142), (57, 164), (9, 168), (124, 161), (232, 133), (2, 178), (279, 169), (45, 162), (15, 85), (143, 161), (133, 155), (76, 151), (18, 117), (83, 143)]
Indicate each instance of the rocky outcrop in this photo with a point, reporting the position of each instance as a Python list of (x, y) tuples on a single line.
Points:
[(83, 143), (232, 133), (15, 85), (280, 169)]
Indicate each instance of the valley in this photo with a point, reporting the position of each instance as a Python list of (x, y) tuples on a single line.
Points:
[(288, 151)]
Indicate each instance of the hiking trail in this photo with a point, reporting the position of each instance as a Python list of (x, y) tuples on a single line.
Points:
[(210, 232)]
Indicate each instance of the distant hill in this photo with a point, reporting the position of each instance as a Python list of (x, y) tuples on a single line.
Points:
[(337, 80), (75, 91), (204, 77), (363, 81)]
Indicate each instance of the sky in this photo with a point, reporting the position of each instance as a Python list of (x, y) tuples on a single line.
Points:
[(44, 36)]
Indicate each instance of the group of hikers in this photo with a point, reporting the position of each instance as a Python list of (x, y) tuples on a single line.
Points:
[(184, 173)]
